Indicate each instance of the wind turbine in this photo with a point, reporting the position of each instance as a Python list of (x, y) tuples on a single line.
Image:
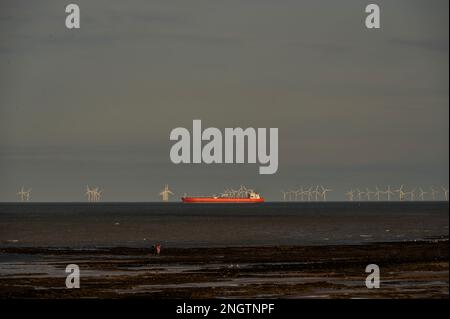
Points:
[(302, 193), (293, 195), (434, 192), (24, 195), (289, 195), (98, 195), (412, 194), (21, 194), (166, 192), (316, 191), (401, 193), (389, 192), (377, 193), (28, 195), (95, 194), (324, 192), (360, 194), (310, 193), (89, 193), (368, 192), (422, 193), (350, 195), (445, 190)]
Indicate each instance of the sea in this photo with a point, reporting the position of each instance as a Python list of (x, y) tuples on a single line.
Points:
[(94, 225)]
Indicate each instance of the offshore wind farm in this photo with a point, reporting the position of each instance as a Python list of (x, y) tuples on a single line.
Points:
[(315, 193), (318, 193)]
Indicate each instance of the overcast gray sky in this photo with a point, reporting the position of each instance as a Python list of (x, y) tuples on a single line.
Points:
[(354, 107)]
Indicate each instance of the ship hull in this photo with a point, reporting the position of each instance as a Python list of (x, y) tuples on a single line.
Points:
[(213, 200)]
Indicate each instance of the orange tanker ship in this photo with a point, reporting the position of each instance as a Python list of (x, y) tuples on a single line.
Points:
[(252, 197)]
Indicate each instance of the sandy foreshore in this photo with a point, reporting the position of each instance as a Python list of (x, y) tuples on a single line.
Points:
[(408, 270)]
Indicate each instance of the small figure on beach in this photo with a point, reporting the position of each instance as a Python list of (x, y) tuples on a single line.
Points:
[(156, 250)]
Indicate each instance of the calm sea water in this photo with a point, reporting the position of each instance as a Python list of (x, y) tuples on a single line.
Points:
[(182, 225)]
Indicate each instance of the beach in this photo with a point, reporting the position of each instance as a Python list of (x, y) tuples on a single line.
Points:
[(412, 269)]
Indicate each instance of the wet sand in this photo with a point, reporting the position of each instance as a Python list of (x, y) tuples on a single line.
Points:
[(408, 270)]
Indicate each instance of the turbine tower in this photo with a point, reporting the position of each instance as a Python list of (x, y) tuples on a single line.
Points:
[(360, 194), (434, 192), (422, 193), (316, 191), (28, 195), (445, 190), (301, 192), (324, 192), (401, 193), (309, 192), (292, 195), (166, 192), (89, 193), (24, 196), (412, 194), (389, 192), (298, 193), (377, 193), (368, 192), (350, 195), (94, 194), (98, 194)]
